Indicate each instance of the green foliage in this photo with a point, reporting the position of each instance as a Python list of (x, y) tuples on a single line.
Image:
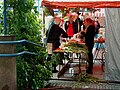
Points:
[(84, 78), (76, 47), (55, 59), (23, 22), (31, 75)]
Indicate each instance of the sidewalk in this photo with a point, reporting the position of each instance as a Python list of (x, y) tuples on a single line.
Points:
[(70, 84)]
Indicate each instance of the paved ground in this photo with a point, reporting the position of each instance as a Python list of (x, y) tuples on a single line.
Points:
[(72, 85), (97, 71)]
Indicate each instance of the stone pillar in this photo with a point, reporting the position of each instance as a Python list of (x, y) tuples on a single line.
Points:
[(7, 65)]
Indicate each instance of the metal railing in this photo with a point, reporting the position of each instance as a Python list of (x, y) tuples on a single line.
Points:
[(20, 53)]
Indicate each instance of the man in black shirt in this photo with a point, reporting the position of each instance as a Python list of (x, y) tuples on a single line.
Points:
[(89, 34), (55, 33), (78, 23), (54, 37)]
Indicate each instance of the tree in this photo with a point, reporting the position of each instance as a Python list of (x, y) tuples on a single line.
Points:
[(23, 22)]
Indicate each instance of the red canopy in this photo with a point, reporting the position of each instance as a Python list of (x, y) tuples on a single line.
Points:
[(81, 4)]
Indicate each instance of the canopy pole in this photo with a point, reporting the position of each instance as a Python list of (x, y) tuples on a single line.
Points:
[(4, 14), (39, 6), (44, 31)]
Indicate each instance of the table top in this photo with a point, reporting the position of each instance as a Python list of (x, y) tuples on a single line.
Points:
[(72, 47), (58, 50)]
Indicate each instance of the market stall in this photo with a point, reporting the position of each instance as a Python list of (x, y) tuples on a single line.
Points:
[(112, 29)]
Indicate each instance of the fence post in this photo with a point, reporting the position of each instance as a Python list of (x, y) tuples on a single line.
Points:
[(7, 65)]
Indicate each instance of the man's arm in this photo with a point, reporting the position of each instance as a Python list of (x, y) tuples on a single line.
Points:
[(64, 34)]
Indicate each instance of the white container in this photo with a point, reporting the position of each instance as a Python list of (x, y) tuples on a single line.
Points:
[(71, 71)]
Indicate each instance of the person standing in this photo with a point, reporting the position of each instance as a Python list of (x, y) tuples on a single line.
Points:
[(70, 26), (78, 23), (89, 34), (97, 27), (54, 37)]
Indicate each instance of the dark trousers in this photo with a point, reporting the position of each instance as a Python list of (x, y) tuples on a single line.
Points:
[(53, 65), (90, 60)]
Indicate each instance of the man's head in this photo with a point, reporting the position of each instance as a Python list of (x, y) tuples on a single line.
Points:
[(96, 18), (78, 13), (88, 21), (57, 20)]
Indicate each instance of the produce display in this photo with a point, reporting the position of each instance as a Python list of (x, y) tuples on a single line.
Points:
[(100, 40), (76, 47), (73, 47)]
